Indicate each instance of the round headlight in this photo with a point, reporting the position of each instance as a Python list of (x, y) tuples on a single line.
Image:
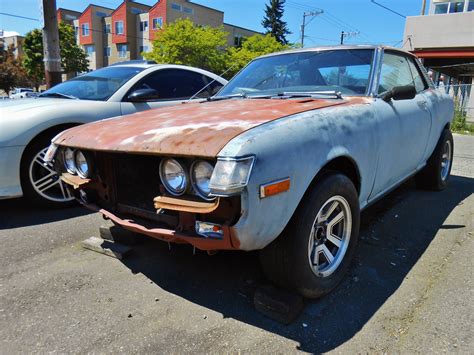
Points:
[(173, 176), (69, 163), (82, 165), (201, 172)]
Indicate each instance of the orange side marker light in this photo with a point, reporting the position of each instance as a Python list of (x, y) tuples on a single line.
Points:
[(274, 187)]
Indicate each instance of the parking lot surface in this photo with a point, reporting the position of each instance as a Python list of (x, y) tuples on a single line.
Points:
[(409, 290)]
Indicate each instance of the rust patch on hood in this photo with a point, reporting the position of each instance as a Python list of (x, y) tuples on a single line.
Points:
[(197, 129)]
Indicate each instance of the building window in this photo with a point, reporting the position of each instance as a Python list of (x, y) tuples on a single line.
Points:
[(106, 51), (122, 50), (452, 7), (188, 10), (89, 50), (457, 6), (143, 26), (76, 32), (143, 49), (158, 23), (175, 6), (136, 11), (238, 41), (100, 14), (107, 28), (119, 27), (85, 29)]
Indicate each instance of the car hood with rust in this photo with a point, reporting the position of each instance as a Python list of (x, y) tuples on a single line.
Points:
[(200, 129)]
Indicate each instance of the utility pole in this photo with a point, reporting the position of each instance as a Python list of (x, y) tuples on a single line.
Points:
[(423, 7), (52, 57), (303, 25), (348, 34)]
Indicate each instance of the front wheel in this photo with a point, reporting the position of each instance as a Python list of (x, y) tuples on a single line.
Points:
[(40, 183), (315, 250)]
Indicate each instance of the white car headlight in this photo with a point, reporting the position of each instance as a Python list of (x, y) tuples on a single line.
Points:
[(230, 175), (173, 176), (69, 162), (201, 172), (83, 167)]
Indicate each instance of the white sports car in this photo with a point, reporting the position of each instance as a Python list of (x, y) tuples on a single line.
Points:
[(28, 125)]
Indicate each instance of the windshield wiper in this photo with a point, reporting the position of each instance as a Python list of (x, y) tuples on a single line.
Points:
[(226, 97), (313, 94), (58, 94)]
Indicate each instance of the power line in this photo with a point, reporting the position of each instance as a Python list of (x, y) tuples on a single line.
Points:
[(18, 16), (387, 8)]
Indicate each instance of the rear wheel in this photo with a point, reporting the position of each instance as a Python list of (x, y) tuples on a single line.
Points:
[(316, 248), (435, 175), (40, 183)]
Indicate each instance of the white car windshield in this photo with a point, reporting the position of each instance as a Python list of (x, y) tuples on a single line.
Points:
[(344, 70), (97, 85)]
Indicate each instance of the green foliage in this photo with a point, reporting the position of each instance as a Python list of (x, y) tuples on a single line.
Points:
[(11, 71), (73, 58), (459, 124), (273, 21), (251, 48), (184, 43)]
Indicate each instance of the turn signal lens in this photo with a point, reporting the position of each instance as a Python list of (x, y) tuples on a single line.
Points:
[(274, 188)]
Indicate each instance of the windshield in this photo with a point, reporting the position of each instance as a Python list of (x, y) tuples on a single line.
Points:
[(97, 85), (345, 71)]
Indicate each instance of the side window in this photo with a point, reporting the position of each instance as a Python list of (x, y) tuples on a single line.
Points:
[(395, 72), (175, 84), (420, 84)]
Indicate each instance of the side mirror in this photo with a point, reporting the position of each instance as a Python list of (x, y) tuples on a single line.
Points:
[(142, 95), (406, 92)]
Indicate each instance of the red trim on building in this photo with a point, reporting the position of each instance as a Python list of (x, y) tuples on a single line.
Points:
[(120, 14), (158, 10), (86, 17), (444, 53)]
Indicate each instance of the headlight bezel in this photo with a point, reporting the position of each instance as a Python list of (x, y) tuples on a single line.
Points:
[(244, 163), (164, 181), (194, 184)]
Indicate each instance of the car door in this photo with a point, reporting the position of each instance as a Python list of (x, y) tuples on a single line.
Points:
[(173, 86), (403, 125)]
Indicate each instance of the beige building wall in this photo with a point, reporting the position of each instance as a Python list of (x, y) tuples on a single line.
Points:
[(236, 33), (200, 15), (143, 37), (17, 42)]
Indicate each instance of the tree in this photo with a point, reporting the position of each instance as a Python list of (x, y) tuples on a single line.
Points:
[(11, 71), (273, 21), (182, 42), (73, 58), (251, 48)]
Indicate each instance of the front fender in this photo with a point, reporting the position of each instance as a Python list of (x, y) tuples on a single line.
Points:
[(298, 147)]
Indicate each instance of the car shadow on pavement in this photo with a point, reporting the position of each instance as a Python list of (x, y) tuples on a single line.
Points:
[(19, 212), (395, 232)]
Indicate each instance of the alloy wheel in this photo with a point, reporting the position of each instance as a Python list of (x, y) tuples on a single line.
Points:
[(330, 236), (45, 181)]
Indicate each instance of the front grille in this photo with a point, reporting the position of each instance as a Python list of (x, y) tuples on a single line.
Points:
[(137, 180)]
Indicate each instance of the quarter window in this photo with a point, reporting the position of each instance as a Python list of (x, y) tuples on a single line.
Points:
[(420, 84), (395, 72)]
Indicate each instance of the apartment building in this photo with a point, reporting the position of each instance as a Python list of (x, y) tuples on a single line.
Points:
[(11, 38), (113, 35), (444, 40)]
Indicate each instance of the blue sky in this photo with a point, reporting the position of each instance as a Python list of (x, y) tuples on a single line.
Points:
[(375, 24)]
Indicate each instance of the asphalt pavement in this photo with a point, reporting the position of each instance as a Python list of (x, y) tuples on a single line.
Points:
[(410, 288)]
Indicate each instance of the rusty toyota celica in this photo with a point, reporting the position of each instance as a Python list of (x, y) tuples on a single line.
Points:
[(281, 160)]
